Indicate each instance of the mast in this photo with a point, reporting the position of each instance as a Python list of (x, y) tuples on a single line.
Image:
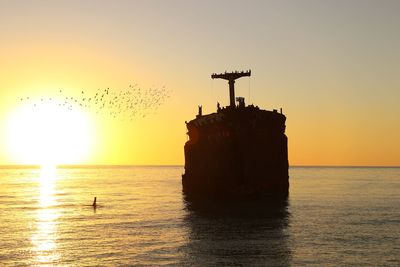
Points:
[(231, 77)]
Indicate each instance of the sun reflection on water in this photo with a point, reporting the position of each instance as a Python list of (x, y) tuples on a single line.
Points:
[(44, 239)]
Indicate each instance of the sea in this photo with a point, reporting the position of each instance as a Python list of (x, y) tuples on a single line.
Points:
[(334, 216)]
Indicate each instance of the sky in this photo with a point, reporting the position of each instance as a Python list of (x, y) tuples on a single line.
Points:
[(332, 66)]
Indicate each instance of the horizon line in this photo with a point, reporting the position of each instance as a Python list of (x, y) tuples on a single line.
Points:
[(66, 166)]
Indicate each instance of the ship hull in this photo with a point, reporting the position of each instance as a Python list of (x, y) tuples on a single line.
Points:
[(244, 153)]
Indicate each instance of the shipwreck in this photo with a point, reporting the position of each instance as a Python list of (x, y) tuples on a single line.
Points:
[(238, 150)]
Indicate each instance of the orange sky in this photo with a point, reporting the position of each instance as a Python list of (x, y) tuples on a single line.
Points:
[(332, 66)]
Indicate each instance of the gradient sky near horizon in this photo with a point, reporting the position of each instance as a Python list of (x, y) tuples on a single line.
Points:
[(333, 66)]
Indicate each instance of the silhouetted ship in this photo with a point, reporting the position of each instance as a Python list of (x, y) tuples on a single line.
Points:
[(238, 151)]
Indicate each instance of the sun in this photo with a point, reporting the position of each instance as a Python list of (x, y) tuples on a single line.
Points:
[(48, 135)]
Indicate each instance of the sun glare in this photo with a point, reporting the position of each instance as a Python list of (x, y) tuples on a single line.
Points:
[(48, 135)]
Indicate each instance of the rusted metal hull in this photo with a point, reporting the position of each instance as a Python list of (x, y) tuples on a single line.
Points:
[(237, 152)]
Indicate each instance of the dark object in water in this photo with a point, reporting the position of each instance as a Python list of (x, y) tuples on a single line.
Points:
[(94, 202), (238, 151)]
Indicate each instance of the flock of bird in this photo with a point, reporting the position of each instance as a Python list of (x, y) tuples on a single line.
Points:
[(128, 104)]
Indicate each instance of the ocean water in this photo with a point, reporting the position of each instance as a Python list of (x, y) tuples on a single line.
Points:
[(333, 217)]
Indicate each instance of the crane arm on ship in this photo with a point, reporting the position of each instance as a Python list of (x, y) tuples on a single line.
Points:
[(231, 77)]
